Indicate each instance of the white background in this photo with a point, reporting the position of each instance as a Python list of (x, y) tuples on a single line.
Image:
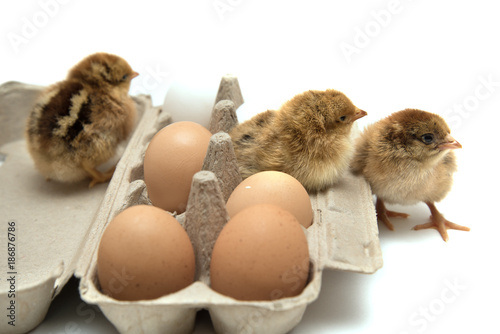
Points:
[(439, 56)]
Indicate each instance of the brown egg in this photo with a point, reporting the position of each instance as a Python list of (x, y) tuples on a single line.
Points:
[(276, 188), (173, 156), (144, 253), (261, 254)]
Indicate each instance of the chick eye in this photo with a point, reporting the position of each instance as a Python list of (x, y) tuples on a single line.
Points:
[(125, 77), (342, 118), (428, 138)]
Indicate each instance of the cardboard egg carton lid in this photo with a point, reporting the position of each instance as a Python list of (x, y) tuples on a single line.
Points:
[(50, 221), (343, 236)]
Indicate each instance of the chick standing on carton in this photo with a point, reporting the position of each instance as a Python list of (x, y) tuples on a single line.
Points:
[(77, 124)]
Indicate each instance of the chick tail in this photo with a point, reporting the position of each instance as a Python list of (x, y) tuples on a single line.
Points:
[(383, 214), (438, 222), (59, 171)]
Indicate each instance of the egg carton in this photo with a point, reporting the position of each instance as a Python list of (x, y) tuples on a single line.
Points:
[(343, 236)]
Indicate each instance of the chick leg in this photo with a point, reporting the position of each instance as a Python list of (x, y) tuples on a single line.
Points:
[(383, 214), (439, 223), (97, 176)]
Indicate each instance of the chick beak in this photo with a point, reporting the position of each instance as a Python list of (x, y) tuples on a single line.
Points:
[(359, 114), (449, 144), (133, 75)]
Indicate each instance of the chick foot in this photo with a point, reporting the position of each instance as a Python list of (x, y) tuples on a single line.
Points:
[(97, 176), (383, 214), (440, 223)]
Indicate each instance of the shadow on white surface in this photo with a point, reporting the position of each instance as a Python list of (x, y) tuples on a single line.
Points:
[(341, 303), (69, 314)]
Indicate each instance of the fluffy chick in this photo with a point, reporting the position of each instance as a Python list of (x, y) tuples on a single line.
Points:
[(77, 124), (408, 158), (308, 138)]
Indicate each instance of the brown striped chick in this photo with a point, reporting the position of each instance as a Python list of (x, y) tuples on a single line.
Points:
[(408, 158), (308, 138), (77, 124)]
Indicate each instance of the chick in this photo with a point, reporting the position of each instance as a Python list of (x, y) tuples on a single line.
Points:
[(76, 124), (408, 158), (308, 138)]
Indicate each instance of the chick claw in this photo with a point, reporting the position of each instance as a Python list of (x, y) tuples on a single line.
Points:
[(440, 223), (97, 176), (383, 214)]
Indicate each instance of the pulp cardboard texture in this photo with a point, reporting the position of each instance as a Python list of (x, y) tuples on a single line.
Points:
[(343, 235), (51, 220)]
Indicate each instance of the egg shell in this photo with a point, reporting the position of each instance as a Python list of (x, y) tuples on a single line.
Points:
[(261, 254), (173, 156), (144, 253), (190, 96), (276, 188)]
